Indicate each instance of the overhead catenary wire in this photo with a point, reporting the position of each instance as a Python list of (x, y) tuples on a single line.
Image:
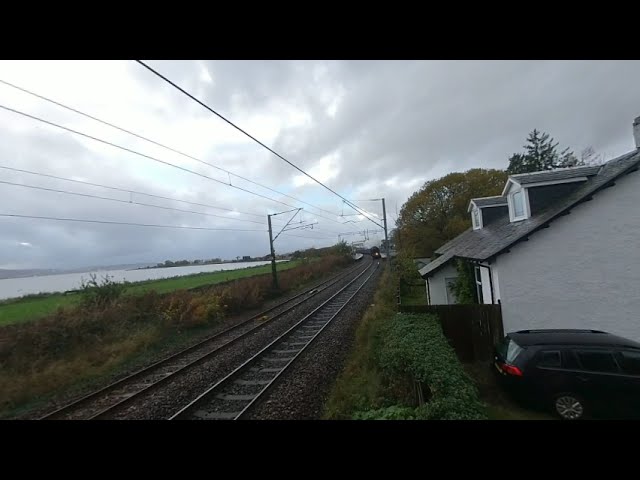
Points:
[(128, 190), (350, 204), (109, 222), (310, 238), (364, 213), (126, 149), (62, 127), (142, 137), (133, 202)]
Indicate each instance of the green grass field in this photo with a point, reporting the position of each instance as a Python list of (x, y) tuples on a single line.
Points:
[(30, 308)]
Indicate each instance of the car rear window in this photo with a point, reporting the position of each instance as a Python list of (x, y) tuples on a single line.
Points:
[(597, 361), (509, 350), (630, 362), (549, 359)]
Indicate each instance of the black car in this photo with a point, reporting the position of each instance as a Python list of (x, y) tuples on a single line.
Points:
[(575, 373)]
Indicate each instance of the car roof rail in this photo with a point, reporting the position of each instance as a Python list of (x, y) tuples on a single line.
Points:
[(561, 330)]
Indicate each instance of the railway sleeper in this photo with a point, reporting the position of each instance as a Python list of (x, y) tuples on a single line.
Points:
[(142, 386), (252, 382), (275, 359), (119, 396), (242, 398), (215, 415), (266, 370)]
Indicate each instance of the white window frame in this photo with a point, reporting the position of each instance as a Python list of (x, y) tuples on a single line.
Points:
[(451, 300), (478, 280), (476, 225), (525, 207)]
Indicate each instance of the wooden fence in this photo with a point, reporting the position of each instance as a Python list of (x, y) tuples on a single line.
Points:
[(472, 330)]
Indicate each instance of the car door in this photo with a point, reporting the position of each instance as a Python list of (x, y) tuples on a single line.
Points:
[(547, 375), (629, 361), (600, 380), (555, 371)]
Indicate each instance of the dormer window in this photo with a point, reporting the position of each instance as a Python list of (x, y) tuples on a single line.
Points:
[(486, 210), (477, 219), (518, 205)]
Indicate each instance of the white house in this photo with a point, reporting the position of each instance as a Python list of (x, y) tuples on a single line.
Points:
[(558, 249)]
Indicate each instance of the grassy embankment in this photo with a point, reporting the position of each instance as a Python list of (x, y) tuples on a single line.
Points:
[(402, 368), (105, 331), (34, 306)]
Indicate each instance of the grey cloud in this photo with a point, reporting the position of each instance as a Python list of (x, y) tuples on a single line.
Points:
[(76, 244), (407, 121), (421, 114)]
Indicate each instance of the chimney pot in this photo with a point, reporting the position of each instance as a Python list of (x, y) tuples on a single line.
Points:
[(636, 131)]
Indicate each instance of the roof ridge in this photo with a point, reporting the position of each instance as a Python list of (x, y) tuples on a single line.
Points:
[(564, 169), (492, 196)]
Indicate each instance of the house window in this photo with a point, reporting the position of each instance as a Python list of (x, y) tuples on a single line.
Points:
[(476, 219), (450, 290), (479, 285), (518, 204)]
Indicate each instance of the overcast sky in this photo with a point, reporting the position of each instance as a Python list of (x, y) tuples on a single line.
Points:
[(368, 129)]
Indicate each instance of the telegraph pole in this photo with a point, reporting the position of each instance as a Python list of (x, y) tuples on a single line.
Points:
[(272, 239), (274, 273), (386, 236)]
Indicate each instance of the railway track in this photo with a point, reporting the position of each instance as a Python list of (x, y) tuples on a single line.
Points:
[(231, 397), (100, 403)]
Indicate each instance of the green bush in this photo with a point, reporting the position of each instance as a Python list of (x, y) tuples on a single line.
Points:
[(100, 294), (394, 412), (414, 346)]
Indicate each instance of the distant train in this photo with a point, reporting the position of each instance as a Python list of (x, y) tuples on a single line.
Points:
[(375, 252)]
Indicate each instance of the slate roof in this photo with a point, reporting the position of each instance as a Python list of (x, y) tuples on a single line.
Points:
[(498, 236), (555, 175), (489, 201)]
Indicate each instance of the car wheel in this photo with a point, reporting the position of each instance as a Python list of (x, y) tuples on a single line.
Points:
[(569, 406)]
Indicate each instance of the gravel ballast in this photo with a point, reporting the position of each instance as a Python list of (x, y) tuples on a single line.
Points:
[(303, 389), (179, 391), (172, 347)]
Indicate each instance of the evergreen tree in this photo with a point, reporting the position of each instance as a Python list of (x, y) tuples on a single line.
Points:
[(541, 154)]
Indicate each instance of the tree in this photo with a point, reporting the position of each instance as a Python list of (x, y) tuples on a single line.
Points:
[(438, 211), (588, 156), (541, 154), (341, 248)]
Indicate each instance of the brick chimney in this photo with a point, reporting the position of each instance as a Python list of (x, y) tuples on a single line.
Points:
[(636, 131)]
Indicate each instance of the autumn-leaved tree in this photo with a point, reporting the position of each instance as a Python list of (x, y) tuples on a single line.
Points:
[(438, 211)]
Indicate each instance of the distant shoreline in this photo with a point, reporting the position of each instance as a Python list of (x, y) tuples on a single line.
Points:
[(8, 274), (224, 262), (73, 291)]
